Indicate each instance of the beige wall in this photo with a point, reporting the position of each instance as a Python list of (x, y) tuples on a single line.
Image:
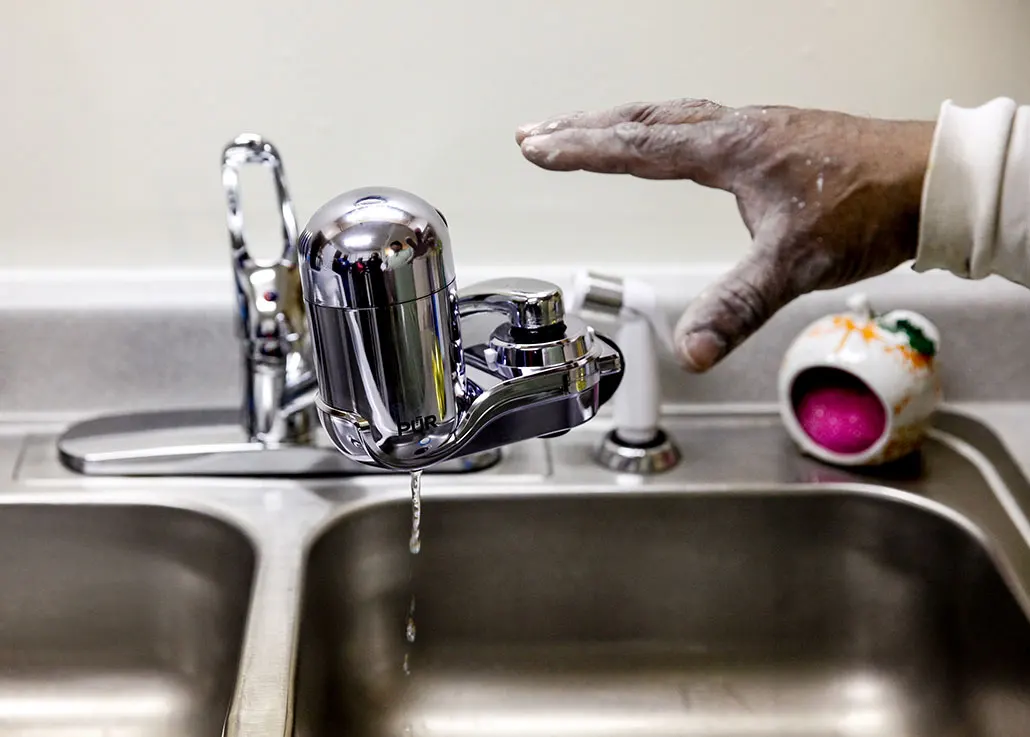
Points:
[(114, 111)]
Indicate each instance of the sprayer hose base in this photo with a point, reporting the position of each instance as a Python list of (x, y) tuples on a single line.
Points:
[(656, 456)]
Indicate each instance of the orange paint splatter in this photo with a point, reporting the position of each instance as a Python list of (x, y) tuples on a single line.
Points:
[(916, 361), (871, 333), (866, 330)]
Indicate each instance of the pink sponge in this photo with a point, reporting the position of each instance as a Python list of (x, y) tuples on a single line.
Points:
[(844, 418)]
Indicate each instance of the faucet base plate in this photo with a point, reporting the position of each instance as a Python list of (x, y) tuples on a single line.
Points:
[(211, 442)]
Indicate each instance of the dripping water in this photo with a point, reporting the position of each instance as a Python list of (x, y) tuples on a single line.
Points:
[(409, 628), (415, 543), (414, 547)]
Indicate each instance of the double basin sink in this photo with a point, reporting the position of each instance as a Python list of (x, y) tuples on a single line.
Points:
[(748, 592)]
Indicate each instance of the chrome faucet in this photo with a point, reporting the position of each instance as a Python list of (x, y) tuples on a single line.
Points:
[(277, 378), (411, 370), (359, 324)]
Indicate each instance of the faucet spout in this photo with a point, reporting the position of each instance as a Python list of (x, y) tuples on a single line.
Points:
[(279, 400)]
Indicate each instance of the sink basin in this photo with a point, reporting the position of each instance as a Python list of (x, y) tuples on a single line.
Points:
[(788, 611), (119, 620)]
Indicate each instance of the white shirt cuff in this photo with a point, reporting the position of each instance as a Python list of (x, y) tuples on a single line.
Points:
[(975, 213)]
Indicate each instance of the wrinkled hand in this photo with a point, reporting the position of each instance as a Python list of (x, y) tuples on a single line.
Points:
[(828, 198)]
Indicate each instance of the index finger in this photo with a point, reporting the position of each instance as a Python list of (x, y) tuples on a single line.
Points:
[(669, 112), (695, 152)]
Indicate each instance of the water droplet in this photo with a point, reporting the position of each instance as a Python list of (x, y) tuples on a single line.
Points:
[(819, 182), (409, 629), (801, 205)]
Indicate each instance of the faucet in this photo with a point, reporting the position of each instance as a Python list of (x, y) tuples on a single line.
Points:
[(412, 370), (360, 355), (270, 320)]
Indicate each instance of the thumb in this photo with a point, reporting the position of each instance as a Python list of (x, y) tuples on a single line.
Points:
[(728, 312)]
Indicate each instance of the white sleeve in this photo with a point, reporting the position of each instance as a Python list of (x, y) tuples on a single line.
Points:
[(975, 214)]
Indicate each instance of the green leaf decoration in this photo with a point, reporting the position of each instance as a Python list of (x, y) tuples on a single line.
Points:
[(916, 337)]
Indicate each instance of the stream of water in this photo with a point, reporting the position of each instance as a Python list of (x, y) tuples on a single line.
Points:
[(414, 546)]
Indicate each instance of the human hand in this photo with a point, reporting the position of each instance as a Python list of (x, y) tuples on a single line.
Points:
[(829, 198)]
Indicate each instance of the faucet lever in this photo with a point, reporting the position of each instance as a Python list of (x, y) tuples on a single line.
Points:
[(270, 317), (249, 148)]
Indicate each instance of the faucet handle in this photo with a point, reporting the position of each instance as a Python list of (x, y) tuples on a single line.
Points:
[(250, 148), (532, 306), (270, 315), (271, 309)]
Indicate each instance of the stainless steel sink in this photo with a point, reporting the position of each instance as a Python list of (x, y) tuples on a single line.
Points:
[(749, 592), (119, 620), (787, 610)]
